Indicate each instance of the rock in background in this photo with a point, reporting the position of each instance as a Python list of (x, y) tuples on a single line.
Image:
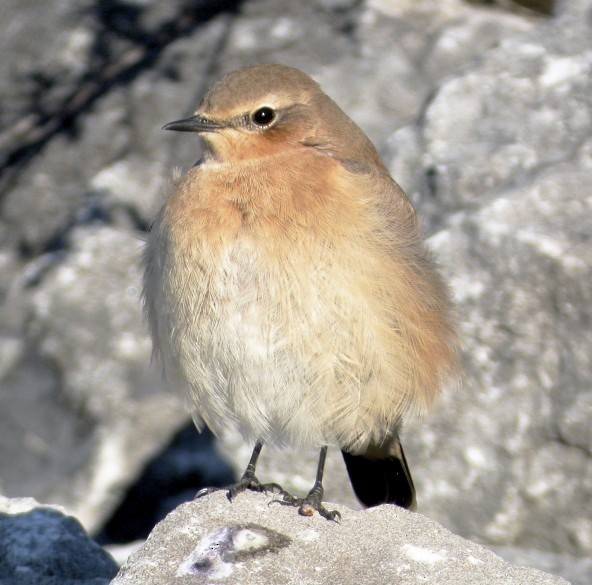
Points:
[(507, 147), (482, 111)]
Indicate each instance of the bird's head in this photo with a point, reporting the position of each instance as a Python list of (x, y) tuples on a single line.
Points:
[(265, 110)]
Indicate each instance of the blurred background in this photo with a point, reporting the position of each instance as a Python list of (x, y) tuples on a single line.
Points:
[(481, 109)]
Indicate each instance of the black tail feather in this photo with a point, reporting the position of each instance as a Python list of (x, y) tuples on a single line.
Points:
[(379, 481)]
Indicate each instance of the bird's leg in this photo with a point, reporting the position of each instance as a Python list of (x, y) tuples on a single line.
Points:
[(248, 481), (314, 500)]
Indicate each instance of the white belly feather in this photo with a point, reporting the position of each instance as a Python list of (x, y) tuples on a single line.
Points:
[(287, 353)]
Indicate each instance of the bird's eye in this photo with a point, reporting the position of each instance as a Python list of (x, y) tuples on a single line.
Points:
[(263, 116)]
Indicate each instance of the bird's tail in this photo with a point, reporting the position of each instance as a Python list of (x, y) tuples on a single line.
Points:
[(382, 476)]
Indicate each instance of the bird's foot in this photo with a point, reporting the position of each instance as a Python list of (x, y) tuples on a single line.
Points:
[(310, 504), (247, 482)]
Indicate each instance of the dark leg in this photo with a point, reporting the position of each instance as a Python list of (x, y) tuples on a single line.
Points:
[(248, 481), (314, 500)]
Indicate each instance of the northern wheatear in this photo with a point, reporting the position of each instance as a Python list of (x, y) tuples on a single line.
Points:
[(288, 289)]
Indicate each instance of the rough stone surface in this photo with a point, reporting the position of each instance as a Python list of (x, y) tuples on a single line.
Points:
[(91, 400), (253, 541), (507, 150), (483, 113), (40, 545)]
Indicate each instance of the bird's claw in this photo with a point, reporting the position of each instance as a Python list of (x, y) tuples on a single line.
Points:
[(247, 482), (309, 505)]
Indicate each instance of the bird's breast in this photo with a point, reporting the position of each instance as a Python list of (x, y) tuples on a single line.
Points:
[(269, 331), (287, 315)]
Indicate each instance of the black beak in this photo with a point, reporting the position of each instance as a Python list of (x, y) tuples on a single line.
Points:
[(194, 124)]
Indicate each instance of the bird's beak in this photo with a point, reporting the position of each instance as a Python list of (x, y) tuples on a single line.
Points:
[(194, 124)]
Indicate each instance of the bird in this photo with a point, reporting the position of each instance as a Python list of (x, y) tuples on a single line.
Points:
[(289, 291)]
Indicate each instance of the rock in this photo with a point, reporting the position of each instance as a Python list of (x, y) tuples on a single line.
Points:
[(253, 541), (40, 545), (93, 412), (507, 156)]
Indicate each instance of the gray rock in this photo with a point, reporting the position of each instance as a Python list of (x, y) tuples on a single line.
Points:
[(93, 411), (40, 545), (253, 541), (506, 152)]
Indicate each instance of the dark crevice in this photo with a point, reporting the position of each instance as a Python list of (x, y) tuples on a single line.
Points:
[(559, 438), (539, 7), (174, 476), (431, 181)]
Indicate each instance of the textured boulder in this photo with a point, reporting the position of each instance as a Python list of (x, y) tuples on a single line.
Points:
[(91, 412), (506, 151), (40, 545), (252, 541)]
